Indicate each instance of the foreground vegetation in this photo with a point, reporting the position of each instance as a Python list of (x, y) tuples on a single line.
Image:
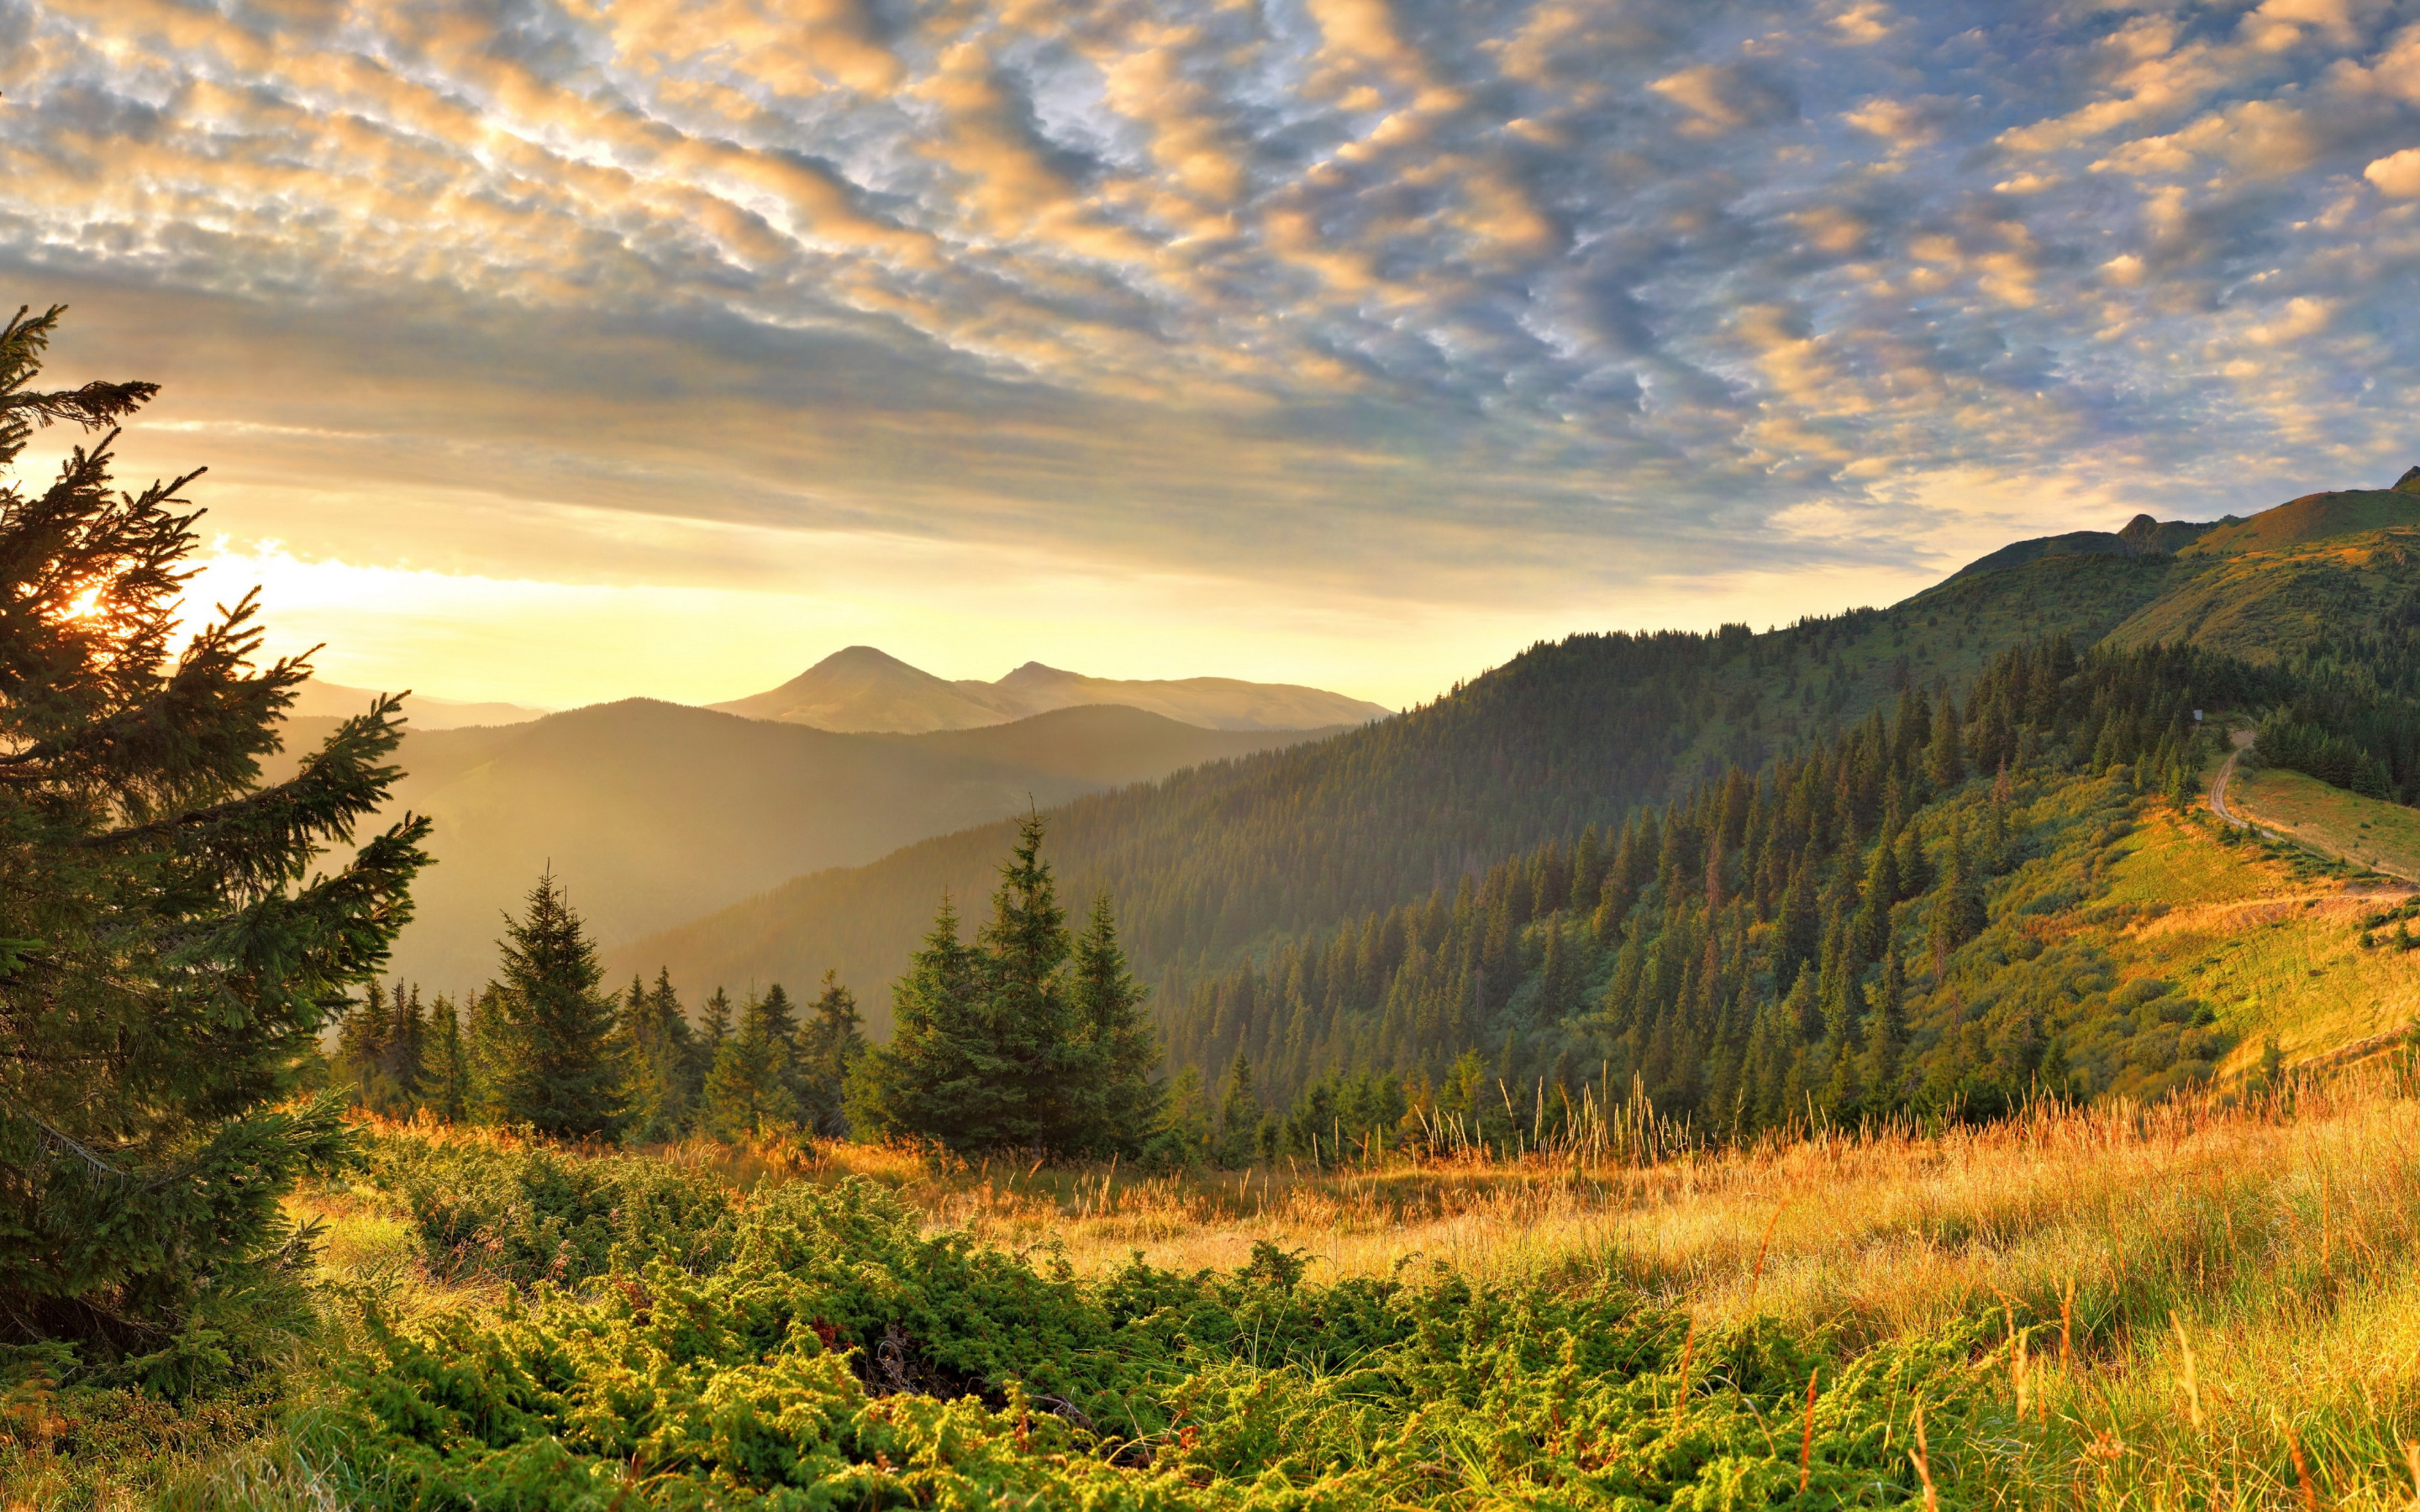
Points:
[(2213, 1300)]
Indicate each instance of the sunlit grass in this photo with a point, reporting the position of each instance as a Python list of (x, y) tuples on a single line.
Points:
[(2277, 1239)]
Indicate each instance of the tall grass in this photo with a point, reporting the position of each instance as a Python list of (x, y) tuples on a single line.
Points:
[(2211, 1301)]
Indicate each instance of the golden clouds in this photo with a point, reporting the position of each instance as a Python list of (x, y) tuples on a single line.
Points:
[(2396, 174)]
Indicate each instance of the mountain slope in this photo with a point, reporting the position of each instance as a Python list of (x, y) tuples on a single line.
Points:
[(652, 812), (1241, 856), (1233, 857), (862, 689)]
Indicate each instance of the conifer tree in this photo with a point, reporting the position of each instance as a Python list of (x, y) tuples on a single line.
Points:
[(748, 1090), (444, 1087), (168, 952), (714, 1023), (1022, 1040), (558, 1075), (1945, 760), (1239, 1117), (654, 1041), (361, 1038), (1027, 1011), (829, 1043), (487, 1046), (1885, 1037), (400, 1057), (1120, 1095), (937, 1079)]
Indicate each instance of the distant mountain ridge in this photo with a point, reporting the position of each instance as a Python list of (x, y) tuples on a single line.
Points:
[(862, 690), (651, 813), (1248, 854), (317, 700)]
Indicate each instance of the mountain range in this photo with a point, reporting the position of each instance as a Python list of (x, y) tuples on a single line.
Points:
[(1232, 859), (860, 688), (652, 812), (316, 700)]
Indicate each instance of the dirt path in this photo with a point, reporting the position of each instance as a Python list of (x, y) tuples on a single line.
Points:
[(2242, 741)]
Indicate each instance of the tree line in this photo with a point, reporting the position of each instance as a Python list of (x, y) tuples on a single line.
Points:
[(1031, 1037)]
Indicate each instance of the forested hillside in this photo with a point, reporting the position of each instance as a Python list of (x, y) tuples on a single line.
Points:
[(1239, 855), (1241, 858)]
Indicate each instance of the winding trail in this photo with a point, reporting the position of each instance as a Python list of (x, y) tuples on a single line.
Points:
[(2242, 740)]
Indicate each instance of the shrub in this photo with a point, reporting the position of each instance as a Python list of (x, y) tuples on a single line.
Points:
[(532, 1215), (838, 1358)]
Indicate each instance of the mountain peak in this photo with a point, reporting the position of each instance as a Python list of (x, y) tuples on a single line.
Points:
[(859, 657), (2410, 481)]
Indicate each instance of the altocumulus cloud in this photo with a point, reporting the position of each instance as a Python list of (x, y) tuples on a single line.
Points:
[(1561, 304)]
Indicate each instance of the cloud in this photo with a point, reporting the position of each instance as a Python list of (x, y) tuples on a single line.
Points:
[(2396, 174), (1501, 313)]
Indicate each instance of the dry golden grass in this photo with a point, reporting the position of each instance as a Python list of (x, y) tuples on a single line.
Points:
[(2180, 1297), (2272, 1244)]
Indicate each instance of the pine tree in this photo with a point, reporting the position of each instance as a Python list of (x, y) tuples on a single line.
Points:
[(829, 1044), (1239, 1118), (559, 1074), (937, 1077), (748, 1090), (1885, 1037), (654, 1045), (444, 1087), (360, 1040), (1024, 1039), (486, 1045), (1028, 1013), (714, 1025), (1945, 760), (168, 953), (1121, 1098), (400, 1057)]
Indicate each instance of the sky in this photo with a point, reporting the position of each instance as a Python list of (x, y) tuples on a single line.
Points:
[(562, 351)]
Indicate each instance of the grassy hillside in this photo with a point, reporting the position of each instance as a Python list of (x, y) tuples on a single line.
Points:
[(2312, 517), (1245, 857), (2268, 603), (2375, 833)]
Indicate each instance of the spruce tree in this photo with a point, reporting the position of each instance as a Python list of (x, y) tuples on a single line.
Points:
[(559, 1074), (653, 1043), (1121, 1097), (168, 952), (1027, 1011), (940, 1077), (1885, 1037), (748, 1090), (361, 1038), (1023, 1039), (444, 1087), (829, 1044), (1239, 1117)]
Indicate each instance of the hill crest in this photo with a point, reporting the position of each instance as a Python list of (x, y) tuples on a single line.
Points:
[(862, 689)]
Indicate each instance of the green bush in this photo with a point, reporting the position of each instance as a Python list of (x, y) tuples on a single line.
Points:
[(838, 1358), (532, 1215)]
